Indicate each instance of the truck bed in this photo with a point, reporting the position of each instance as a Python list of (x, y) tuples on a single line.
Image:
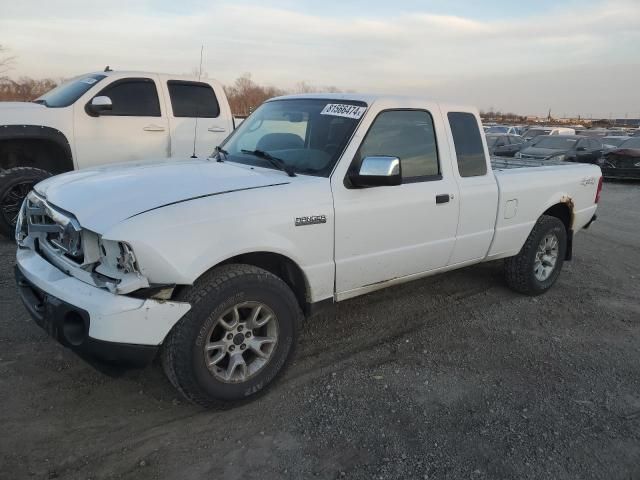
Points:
[(527, 188)]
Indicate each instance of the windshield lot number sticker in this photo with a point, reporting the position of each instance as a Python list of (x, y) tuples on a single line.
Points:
[(340, 110)]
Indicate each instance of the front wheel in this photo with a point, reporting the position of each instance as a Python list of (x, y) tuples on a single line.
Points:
[(15, 184), (537, 267), (236, 339)]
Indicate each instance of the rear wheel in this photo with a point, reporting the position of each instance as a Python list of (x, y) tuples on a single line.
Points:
[(237, 338), (537, 267), (15, 184)]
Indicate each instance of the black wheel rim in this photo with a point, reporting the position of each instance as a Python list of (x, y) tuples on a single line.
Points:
[(12, 201)]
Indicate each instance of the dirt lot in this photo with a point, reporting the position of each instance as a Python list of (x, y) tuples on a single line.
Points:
[(450, 377)]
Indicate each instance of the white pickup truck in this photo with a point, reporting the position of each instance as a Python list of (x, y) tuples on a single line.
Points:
[(314, 199), (105, 117)]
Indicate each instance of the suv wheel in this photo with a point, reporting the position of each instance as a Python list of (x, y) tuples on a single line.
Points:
[(15, 184)]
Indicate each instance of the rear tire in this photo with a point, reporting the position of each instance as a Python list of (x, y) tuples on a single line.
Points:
[(217, 355), (537, 267), (15, 184)]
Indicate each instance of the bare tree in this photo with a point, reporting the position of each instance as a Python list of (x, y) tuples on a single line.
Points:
[(6, 62), (24, 89), (245, 95)]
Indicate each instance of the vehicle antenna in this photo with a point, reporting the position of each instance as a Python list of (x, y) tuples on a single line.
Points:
[(195, 129)]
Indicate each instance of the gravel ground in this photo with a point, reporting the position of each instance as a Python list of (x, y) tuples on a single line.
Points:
[(454, 377)]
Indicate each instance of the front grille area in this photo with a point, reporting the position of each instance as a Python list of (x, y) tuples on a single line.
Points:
[(53, 226)]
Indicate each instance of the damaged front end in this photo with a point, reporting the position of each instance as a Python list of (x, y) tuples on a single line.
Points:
[(623, 163), (58, 237)]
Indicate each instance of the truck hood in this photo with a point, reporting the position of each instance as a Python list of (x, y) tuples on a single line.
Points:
[(102, 197), (21, 105)]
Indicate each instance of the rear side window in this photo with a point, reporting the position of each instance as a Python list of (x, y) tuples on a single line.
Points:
[(193, 99), (133, 98), (468, 144), (408, 135)]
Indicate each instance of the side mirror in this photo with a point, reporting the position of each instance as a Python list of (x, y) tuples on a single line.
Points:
[(378, 171), (99, 105)]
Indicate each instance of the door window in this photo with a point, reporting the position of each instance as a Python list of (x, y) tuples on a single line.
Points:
[(408, 135), (193, 99), (468, 144), (132, 98)]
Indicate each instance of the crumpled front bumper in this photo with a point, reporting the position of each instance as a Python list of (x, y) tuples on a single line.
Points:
[(91, 321)]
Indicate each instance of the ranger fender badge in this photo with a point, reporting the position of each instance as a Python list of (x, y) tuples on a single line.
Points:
[(312, 220)]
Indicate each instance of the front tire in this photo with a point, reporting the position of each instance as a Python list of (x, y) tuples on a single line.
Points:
[(15, 184), (237, 338), (537, 267)]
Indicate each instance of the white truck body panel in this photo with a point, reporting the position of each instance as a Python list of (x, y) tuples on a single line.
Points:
[(182, 219), (106, 139)]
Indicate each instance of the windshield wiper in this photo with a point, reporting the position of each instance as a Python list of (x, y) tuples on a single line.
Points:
[(219, 150), (275, 161)]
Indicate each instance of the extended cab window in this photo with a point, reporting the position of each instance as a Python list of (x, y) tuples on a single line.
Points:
[(468, 144), (133, 98), (408, 135), (193, 99)]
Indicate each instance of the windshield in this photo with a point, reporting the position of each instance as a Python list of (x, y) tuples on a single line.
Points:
[(535, 132), (498, 129), (492, 140), (67, 93), (556, 143), (614, 141), (307, 135), (631, 143)]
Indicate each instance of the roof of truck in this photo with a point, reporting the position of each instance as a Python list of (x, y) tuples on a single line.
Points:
[(370, 98), (138, 73)]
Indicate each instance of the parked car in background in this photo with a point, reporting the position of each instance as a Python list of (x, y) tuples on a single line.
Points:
[(537, 131), (622, 162), (504, 145), (102, 118), (503, 129), (612, 142), (570, 148)]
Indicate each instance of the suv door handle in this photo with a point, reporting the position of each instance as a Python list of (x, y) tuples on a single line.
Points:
[(153, 128), (217, 129), (443, 198)]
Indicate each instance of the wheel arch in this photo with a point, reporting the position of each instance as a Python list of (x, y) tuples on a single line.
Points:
[(35, 146), (281, 266), (564, 211)]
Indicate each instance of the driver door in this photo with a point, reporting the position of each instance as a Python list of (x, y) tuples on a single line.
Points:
[(389, 232)]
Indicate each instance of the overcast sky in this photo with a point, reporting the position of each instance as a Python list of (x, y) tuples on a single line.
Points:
[(575, 57)]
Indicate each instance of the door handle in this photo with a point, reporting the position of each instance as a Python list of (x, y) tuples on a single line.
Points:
[(154, 128), (217, 129), (443, 198)]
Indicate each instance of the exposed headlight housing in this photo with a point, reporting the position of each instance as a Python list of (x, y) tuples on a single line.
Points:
[(81, 253)]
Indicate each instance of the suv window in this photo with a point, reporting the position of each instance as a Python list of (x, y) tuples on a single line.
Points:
[(133, 98), (468, 144), (193, 99), (408, 135)]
